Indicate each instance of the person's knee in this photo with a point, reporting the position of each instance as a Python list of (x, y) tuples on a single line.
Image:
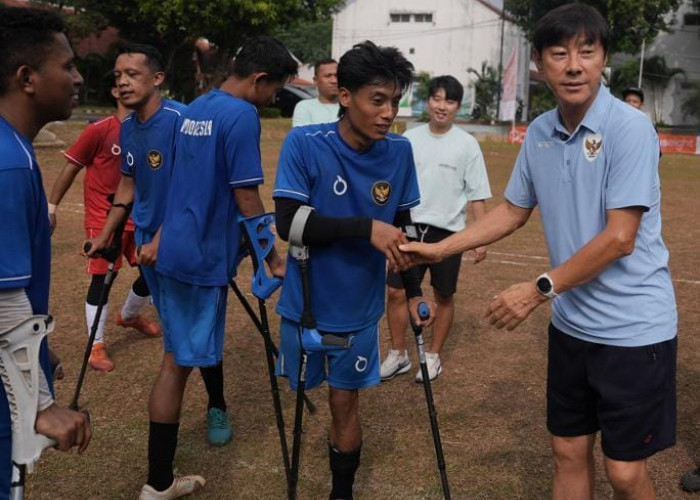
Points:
[(343, 404), (171, 367), (626, 477), (572, 453), (395, 296)]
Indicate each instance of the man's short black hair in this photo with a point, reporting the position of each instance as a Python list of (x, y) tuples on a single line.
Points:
[(26, 36), (367, 64), (322, 62), (453, 89), (570, 20), (154, 58), (264, 54), (633, 90)]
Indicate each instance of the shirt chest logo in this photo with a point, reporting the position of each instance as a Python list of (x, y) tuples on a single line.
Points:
[(381, 191), (340, 186), (155, 159), (592, 146)]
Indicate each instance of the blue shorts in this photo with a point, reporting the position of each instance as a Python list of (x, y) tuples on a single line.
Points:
[(193, 320), (149, 273), (353, 368)]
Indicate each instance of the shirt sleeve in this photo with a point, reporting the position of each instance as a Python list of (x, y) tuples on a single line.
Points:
[(519, 190), (410, 197), (301, 114), (476, 179), (633, 178), (242, 151), (84, 150), (19, 204), (127, 159), (293, 178)]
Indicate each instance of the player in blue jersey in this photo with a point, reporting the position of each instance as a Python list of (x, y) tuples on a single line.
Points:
[(215, 180), (591, 165), (39, 83), (361, 182), (147, 140)]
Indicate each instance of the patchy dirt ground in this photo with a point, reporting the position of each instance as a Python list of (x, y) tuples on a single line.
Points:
[(490, 397)]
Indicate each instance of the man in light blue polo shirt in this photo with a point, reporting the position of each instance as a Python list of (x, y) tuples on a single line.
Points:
[(592, 167)]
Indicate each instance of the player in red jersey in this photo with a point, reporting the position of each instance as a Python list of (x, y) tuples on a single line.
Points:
[(97, 150)]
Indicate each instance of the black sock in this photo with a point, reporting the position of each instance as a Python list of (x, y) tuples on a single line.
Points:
[(162, 441), (213, 377), (343, 467)]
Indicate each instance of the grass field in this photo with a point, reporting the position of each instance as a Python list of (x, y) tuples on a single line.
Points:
[(490, 397)]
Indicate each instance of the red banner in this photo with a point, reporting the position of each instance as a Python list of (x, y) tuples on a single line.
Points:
[(682, 144)]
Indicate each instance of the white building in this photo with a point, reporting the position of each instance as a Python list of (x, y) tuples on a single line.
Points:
[(438, 36), (681, 49)]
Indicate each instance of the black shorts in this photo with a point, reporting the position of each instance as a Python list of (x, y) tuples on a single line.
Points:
[(628, 393), (443, 275)]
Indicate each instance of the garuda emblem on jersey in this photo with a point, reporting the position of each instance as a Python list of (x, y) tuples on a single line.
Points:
[(592, 144), (381, 190), (155, 159)]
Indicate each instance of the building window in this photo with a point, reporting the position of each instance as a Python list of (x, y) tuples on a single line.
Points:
[(420, 17)]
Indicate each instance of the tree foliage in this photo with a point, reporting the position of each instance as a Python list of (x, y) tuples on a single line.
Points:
[(486, 88), (630, 21), (174, 25), (309, 40)]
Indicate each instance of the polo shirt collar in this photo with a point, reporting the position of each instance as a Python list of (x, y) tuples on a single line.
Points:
[(595, 116)]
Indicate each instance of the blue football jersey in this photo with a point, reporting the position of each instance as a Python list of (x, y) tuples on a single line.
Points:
[(25, 253), (318, 168), (148, 152), (218, 150)]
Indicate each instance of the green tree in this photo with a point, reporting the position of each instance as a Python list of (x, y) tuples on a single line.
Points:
[(486, 89), (309, 40), (630, 21), (174, 25)]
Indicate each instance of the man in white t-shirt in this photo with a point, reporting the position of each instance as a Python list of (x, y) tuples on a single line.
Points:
[(324, 108), (451, 176)]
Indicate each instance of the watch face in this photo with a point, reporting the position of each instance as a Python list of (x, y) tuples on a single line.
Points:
[(544, 286)]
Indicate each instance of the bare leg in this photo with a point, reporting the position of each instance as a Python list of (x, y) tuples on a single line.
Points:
[(346, 431), (573, 467), (630, 480), (397, 317), (166, 396), (444, 316)]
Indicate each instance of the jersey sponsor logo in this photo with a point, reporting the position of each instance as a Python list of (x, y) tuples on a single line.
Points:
[(592, 144), (197, 128), (381, 190), (340, 186), (361, 364), (155, 159), (116, 150), (129, 159)]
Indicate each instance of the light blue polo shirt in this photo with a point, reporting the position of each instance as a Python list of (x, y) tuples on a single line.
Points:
[(609, 162)]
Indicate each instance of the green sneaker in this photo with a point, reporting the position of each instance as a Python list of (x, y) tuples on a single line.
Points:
[(218, 427)]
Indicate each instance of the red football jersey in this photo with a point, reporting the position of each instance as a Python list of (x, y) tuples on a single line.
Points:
[(97, 149)]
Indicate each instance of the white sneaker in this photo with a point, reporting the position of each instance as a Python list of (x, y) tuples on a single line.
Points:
[(432, 360), (181, 486), (396, 363)]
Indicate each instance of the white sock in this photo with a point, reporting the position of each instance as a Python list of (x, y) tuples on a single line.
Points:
[(133, 304), (90, 313)]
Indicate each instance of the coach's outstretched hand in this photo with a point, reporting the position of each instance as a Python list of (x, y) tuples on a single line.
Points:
[(387, 238), (68, 428), (510, 308), (422, 253)]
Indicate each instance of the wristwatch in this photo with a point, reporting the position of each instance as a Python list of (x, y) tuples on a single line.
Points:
[(545, 286)]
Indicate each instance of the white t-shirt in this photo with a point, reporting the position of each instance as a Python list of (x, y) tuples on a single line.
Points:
[(451, 172), (312, 111)]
